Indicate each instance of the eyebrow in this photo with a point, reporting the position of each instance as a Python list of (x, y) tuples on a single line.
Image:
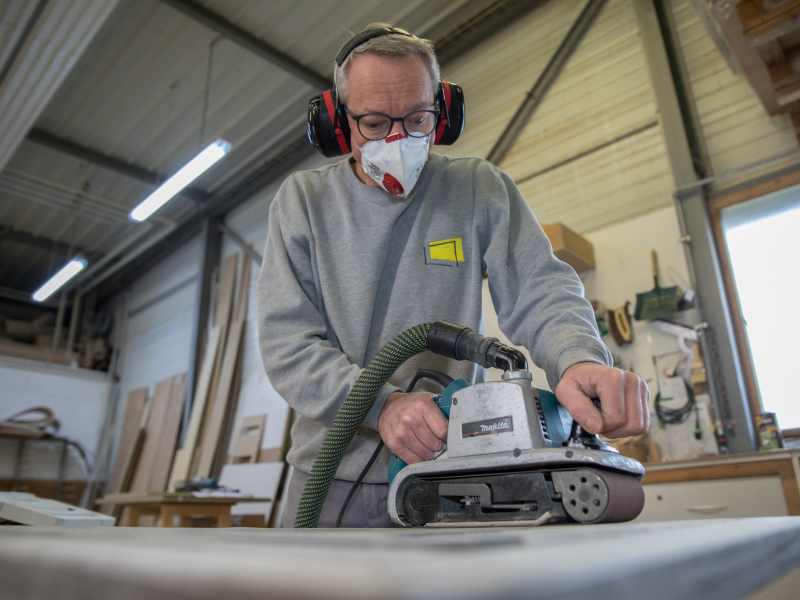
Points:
[(418, 106)]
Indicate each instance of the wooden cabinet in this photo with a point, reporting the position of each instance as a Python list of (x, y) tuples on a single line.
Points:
[(763, 484)]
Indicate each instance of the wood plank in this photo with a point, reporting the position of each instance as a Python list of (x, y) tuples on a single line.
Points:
[(132, 461), (248, 440), (742, 344), (227, 279), (131, 423), (158, 410), (746, 469), (791, 492), (183, 458), (222, 314), (224, 303), (782, 74), (771, 25), (751, 62), (756, 191), (243, 292), (169, 435), (788, 93), (175, 498), (239, 314), (227, 423), (208, 446)]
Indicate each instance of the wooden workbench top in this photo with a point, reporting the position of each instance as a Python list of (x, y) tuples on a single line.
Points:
[(128, 498), (763, 455), (721, 559)]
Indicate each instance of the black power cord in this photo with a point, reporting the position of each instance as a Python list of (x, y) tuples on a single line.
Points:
[(674, 416), (443, 379)]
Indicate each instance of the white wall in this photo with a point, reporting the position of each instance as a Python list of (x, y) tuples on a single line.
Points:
[(77, 398)]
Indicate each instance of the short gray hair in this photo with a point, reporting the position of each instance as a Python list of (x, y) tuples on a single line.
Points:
[(387, 46)]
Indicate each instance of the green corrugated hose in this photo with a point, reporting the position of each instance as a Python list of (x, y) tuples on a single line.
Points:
[(351, 416)]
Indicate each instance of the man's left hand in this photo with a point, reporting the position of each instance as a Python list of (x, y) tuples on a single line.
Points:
[(624, 397)]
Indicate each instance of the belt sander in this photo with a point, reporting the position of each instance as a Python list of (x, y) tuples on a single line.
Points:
[(514, 456)]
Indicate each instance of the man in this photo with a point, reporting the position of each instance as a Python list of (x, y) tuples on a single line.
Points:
[(349, 265)]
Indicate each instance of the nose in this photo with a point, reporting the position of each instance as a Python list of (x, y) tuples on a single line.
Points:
[(397, 127)]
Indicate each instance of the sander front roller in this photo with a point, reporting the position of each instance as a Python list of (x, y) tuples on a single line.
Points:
[(514, 455)]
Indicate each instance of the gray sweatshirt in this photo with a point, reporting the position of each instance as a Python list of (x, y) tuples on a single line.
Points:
[(348, 267)]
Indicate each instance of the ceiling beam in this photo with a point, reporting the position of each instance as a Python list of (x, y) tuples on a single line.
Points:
[(39, 136), (9, 234), (20, 296), (250, 42), (545, 80)]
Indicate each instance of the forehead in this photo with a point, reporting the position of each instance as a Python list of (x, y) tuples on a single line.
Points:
[(388, 84)]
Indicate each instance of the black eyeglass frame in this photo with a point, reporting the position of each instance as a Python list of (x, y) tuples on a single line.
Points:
[(357, 119)]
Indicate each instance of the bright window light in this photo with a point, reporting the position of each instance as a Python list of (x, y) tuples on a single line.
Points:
[(763, 245), (191, 171), (54, 284)]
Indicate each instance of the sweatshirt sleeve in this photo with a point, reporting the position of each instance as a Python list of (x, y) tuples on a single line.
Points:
[(303, 366), (539, 299)]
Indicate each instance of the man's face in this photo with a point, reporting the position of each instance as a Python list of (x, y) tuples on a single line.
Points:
[(390, 86)]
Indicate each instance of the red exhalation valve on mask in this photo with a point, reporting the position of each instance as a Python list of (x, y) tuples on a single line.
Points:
[(391, 185)]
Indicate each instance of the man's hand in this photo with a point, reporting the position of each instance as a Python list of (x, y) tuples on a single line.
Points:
[(624, 397), (412, 426)]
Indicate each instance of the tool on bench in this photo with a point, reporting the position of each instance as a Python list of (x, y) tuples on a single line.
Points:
[(514, 455)]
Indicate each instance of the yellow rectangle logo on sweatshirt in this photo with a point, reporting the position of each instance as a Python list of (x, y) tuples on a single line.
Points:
[(444, 252)]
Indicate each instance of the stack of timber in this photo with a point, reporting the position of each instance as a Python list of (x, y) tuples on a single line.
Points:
[(147, 439), (256, 461), (206, 440)]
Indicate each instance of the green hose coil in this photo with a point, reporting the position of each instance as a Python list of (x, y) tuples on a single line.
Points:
[(360, 399)]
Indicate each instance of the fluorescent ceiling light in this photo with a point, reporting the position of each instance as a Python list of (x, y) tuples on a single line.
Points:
[(191, 171), (66, 273)]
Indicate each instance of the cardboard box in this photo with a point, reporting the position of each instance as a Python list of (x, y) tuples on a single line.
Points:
[(570, 247)]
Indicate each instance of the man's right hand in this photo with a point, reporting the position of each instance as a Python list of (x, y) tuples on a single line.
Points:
[(412, 426)]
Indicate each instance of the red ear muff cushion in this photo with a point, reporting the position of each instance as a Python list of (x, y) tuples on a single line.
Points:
[(451, 118), (328, 128), (337, 126)]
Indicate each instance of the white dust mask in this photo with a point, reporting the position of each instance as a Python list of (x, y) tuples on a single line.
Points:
[(395, 162)]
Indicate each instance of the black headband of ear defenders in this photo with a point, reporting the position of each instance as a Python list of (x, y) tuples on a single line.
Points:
[(362, 37)]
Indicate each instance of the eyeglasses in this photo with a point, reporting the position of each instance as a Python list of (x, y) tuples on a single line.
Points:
[(375, 126)]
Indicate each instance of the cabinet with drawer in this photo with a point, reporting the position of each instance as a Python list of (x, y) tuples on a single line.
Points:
[(715, 499), (754, 485)]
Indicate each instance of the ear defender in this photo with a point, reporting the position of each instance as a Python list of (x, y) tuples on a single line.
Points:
[(328, 127), (450, 98)]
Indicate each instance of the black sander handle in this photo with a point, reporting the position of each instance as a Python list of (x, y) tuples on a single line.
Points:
[(461, 343)]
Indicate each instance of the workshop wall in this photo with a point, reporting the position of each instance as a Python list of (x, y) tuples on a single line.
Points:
[(566, 161)]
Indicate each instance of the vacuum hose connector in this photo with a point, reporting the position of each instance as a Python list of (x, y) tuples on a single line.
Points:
[(452, 341), (461, 343)]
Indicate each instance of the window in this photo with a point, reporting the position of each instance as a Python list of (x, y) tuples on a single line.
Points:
[(763, 243)]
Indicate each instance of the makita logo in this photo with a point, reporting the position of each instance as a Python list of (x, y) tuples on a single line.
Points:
[(495, 426), (487, 427)]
